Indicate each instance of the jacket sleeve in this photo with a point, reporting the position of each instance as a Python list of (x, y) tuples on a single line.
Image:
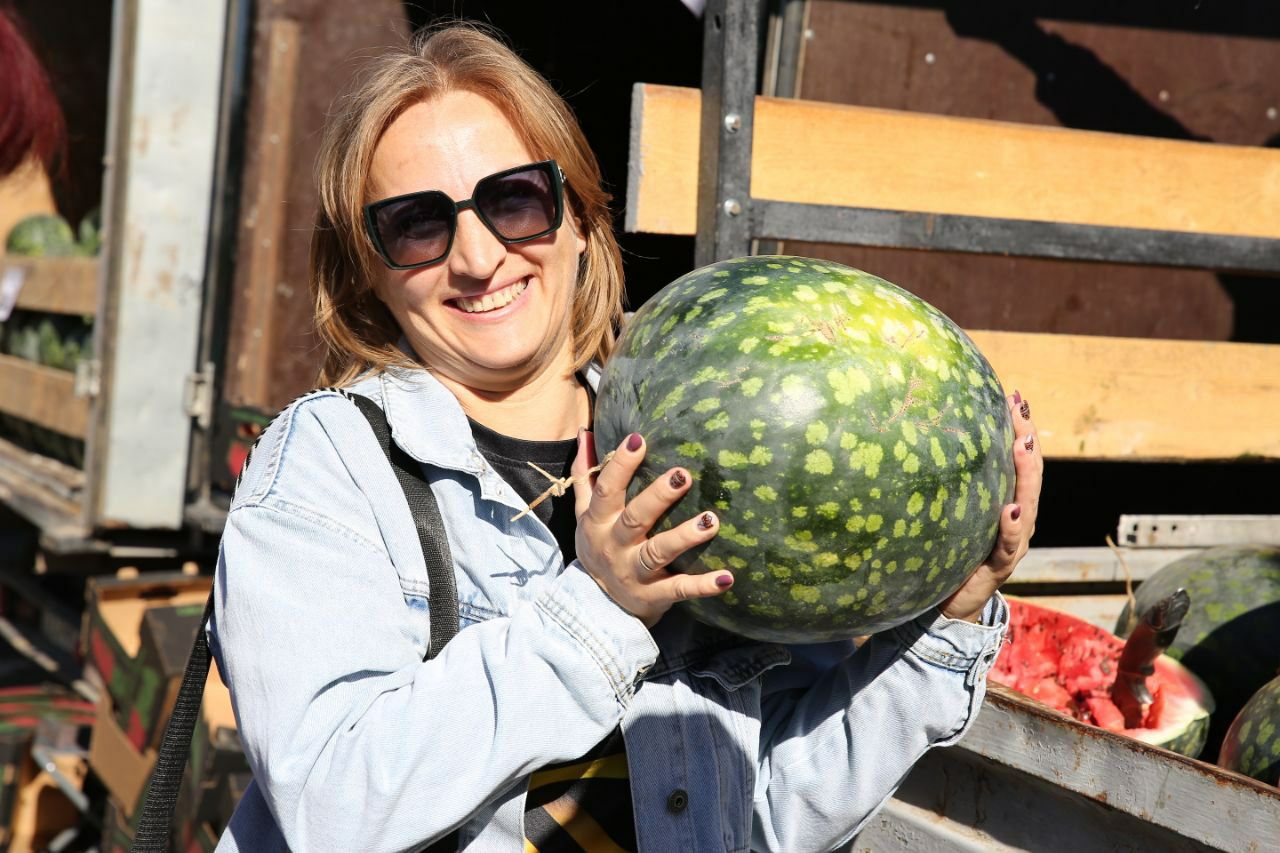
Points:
[(355, 742), (840, 731)]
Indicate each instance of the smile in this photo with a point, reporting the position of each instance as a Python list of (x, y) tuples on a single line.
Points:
[(491, 301)]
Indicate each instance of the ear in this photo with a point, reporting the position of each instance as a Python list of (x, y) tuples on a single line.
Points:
[(579, 241)]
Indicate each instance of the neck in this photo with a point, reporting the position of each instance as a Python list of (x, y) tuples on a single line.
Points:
[(551, 407)]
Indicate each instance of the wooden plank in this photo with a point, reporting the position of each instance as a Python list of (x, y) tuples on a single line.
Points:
[(43, 396), (1093, 565), (1196, 531), (1123, 398), (850, 156), (268, 219), (57, 285)]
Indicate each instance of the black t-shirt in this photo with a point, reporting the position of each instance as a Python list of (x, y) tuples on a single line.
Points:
[(510, 457), (582, 805)]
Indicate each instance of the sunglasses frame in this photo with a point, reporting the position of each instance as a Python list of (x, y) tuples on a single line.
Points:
[(558, 180)]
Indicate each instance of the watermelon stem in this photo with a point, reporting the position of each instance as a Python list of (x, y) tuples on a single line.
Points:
[(1154, 633)]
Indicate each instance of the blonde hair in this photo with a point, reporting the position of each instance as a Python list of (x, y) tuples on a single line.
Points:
[(356, 329)]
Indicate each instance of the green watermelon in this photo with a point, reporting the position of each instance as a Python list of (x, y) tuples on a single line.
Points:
[(40, 236), (1231, 635), (1252, 744), (851, 438)]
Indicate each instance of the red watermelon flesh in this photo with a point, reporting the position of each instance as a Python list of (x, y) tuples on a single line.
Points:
[(1070, 665)]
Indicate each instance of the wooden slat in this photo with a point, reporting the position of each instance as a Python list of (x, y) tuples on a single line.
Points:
[(57, 285), (269, 218), (1128, 398), (817, 153), (43, 396)]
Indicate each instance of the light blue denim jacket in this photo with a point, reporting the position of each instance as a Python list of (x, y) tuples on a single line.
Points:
[(357, 744)]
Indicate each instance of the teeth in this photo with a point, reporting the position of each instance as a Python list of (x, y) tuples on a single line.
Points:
[(491, 301)]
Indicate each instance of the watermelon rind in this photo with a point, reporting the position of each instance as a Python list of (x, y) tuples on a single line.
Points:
[(853, 441), (1252, 743), (1230, 636), (44, 235)]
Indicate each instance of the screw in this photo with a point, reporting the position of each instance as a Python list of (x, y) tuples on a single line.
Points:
[(929, 58), (1271, 113), (733, 122), (732, 207)]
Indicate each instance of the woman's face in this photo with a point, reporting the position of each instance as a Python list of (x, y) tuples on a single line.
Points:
[(447, 144)]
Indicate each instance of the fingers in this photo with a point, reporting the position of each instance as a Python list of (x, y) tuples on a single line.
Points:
[(663, 549), (582, 463), (1028, 460), (642, 513), (1011, 541), (608, 495)]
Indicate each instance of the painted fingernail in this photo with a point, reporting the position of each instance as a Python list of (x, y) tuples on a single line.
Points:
[(1016, 512), (1017, 398), (724, 581), (1030, 443), (678, 480), (634, 441), (1025, 410), (707, 521)]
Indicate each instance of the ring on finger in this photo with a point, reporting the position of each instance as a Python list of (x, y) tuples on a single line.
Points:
[(640, 555)]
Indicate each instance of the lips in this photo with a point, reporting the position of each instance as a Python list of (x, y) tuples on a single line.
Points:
[(490, 301)]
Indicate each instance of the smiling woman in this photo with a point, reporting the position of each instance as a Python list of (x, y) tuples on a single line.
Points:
[(468, 284)]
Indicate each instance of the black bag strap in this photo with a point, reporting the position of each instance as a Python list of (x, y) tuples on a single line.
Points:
[(161, 800)]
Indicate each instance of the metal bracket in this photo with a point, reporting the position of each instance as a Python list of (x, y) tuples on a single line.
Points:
[(198, 395), (730, 67), (88, 381)]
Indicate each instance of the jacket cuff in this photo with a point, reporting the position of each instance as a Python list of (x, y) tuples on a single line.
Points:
[(956, 644), (618, 642)]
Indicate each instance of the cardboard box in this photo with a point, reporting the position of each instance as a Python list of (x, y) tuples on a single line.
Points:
[(123, 769), (167, 636), (112, 628), (23, 711)]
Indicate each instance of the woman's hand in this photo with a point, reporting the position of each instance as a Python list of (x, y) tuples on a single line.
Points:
[(1017, 520), (613, 542)]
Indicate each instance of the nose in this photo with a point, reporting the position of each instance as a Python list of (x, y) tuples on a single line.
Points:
[(476, 252)]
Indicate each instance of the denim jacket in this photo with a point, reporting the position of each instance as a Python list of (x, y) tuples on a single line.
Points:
[(355, 743)]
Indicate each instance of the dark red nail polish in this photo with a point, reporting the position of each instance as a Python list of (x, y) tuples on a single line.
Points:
[(1016, 512), (634, 441), (1030, 443), (724, 581), (707, 521), (1025, 410), (678, 480), (1017, 398)]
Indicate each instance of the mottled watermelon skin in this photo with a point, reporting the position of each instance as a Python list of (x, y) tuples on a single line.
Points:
[(851, 438), (1231, 635), (1252, 744)]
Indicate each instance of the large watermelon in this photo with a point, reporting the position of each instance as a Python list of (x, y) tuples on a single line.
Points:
[(1252, 744), (853, 441), (1231, 635)]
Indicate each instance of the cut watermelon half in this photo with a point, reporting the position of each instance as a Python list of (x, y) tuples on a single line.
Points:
[(1070, 665)]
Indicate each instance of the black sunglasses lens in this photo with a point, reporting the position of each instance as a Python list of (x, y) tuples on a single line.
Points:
[(520, 205), (415, 230)]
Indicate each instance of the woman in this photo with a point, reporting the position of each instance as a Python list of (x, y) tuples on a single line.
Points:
[(567, 709)]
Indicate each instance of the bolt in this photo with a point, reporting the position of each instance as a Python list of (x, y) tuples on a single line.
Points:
[(733, 122), (1271, 113), (929, 58), (1164, 95), (732, 207)]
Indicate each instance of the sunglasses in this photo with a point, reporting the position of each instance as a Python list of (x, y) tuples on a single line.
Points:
[(516, 205)]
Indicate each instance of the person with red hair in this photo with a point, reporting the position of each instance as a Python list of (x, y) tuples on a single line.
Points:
[(32, 129)]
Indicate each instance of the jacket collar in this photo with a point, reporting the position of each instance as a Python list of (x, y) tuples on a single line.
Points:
[(428, 423)]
